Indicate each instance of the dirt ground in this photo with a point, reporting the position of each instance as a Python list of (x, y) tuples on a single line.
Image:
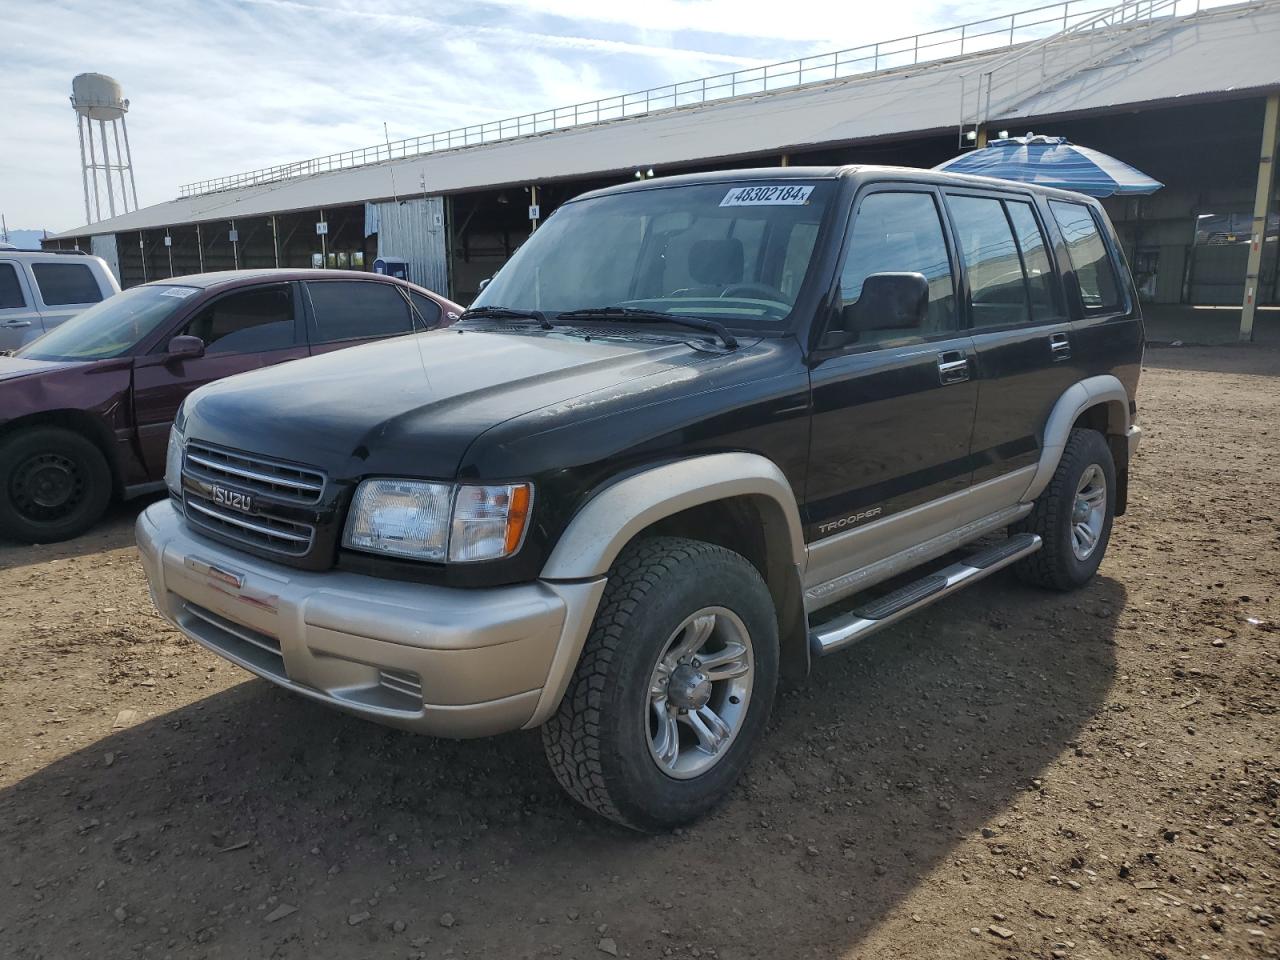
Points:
[(1012, 773)]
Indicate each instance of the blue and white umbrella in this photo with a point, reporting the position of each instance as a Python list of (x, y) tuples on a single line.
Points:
[(1053, 162)]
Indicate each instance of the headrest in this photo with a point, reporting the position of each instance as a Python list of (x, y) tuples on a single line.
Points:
[(716, 261)]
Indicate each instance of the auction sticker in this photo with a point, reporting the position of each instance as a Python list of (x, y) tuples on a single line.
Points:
[(180, 292), (768, 195)]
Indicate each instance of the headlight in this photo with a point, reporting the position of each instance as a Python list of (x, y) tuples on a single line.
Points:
[(405, 518), (438, 521), (173, 461)]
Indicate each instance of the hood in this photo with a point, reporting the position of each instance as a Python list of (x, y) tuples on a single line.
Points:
[(412, 406), (13, 367)]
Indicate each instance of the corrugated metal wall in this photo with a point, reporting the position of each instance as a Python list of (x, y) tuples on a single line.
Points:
[(104, 245), (413, 230)]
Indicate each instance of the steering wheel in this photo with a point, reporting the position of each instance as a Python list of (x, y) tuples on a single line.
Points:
[(747, 289)]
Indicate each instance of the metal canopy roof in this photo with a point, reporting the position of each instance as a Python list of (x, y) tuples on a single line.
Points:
[(1226, 50)]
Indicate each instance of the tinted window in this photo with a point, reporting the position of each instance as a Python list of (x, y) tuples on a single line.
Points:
[(900, 233), (345, 310), (1035, 260), (250, 321), (10, 290), (1095, 275), (997, 294), (427, 309), (66, 283)]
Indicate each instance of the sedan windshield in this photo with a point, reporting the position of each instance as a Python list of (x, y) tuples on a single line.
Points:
[(110, 328), (736, 252)]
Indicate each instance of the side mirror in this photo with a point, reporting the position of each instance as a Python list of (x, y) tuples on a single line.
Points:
[(484, 283), (889, 301), (185, 346)]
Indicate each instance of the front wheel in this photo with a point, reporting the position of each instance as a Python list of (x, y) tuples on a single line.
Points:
[(673, 688), (1073, 515), (54, 485)]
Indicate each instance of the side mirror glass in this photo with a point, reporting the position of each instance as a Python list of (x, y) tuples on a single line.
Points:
[(186, 346), (889, 301)]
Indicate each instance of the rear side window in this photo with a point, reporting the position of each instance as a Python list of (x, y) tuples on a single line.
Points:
[(250, 321), (900, 233), (1095, 274), (347, 310), (10, 289), (997, 293), (61, 283), (1035, 260), (427, 309)]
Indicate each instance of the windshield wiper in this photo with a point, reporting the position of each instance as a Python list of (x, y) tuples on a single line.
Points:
[(507, 313), (652, 316)]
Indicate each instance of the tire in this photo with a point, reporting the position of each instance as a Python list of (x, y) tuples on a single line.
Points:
[(1057, 565), (54, 485), (601, 741)]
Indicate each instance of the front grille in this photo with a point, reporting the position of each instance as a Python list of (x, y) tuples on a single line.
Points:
[(275, 491), (256, 474)]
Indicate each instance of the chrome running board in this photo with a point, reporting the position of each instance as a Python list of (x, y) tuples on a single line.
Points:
[(848, 628)]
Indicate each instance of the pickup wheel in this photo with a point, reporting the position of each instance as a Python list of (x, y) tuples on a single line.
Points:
[(1073, 515), (673, 687), (54, 485)]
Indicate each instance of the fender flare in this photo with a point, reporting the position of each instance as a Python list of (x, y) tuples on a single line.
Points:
[(612, 518), (1104, 389)]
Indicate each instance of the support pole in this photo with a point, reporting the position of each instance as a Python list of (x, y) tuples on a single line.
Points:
[(324, 244), (786, 160), (200, 247), (93, 172), (235, 247), (106, 168), (533, 199), (275, 241), (124, 196), (1261, 207), (84, 170), (982, 138), (169, 246), (129, 157)]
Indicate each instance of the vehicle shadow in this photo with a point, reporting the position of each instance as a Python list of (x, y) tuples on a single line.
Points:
[(1240, 359), (113, 531), (196, 825)]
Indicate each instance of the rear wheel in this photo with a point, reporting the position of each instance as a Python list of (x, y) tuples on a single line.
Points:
[(673, 688), (1073, 515), (54, 485)]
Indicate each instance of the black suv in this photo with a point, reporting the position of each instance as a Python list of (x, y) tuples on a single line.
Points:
[(621, 499)]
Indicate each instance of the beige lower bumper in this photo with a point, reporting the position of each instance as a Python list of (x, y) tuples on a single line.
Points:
[(437, 660)]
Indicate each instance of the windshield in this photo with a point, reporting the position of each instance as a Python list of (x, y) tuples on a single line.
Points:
[(110, 328), (733, 252)]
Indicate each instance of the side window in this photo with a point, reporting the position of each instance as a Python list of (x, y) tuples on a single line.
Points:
[(61, 283), (10, 289), (900, 233), (1095, 274), (427, 309), (1035, 260), (250, 321), (997, 294), (351, 309)]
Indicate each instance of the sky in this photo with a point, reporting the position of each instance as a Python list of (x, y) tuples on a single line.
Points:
[(222, 86)]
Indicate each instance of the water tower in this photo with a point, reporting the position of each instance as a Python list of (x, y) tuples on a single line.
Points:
[(98, 98)]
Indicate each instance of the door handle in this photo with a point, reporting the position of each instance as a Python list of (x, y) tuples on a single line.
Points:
[(1060, 346), (953, 367), (16, 323)]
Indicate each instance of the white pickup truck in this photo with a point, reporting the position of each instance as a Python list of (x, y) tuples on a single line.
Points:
[(41, 288)]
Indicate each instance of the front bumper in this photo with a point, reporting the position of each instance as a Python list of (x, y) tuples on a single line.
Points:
[(436, 660)]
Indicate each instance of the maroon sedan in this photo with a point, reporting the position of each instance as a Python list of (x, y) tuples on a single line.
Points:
[(85, 410)]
